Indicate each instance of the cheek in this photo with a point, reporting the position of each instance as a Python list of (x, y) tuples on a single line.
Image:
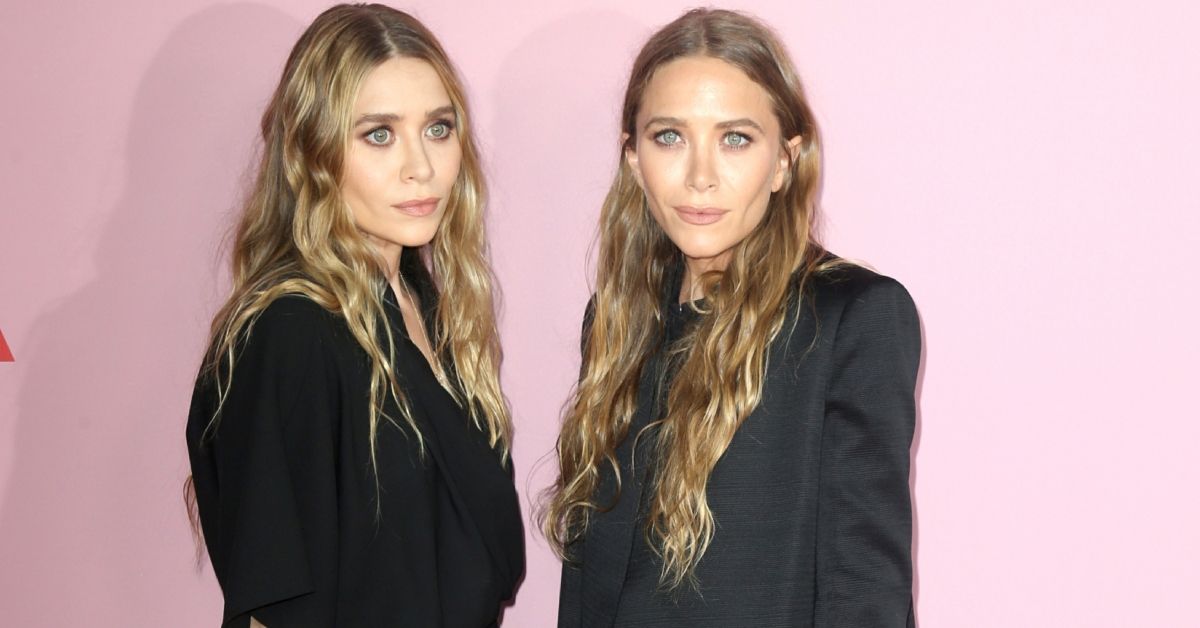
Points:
[(753, 181), (363, 176), (660, 173), (753, 176), (448, 164)]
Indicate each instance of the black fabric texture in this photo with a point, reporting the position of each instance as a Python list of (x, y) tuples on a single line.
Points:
[(811, 499), (300, 533)]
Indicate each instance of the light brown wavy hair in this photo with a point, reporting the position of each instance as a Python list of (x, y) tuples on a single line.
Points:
[(297, 235), (719, 364)]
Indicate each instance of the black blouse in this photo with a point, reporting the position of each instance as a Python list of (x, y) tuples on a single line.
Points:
[(811, 500), (299, 530)]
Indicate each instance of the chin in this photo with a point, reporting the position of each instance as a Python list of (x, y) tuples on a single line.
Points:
[(412, 243), (701, 248), (413, 238)]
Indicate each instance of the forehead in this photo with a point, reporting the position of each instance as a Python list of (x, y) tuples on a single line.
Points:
[(705, 88), (401, 84)]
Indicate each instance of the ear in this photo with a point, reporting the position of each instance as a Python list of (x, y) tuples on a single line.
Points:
[(631, 160), (787, 157)]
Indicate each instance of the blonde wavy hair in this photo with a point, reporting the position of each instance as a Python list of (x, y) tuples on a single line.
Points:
[(297, 235), (719, 364)]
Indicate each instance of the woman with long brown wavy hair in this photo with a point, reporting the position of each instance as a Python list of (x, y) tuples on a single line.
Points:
[(348, 437), (736, 452)]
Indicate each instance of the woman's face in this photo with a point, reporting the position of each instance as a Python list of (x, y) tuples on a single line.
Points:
[(403, 156), (708, 156)]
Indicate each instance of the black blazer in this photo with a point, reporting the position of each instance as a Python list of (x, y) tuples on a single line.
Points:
[(811, 498)]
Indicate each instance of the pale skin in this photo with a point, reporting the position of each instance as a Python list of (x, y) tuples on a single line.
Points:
[(708, 154), (402, 161)]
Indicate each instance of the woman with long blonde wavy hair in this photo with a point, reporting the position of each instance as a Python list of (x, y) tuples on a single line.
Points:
[(348, 437), (736, 452)]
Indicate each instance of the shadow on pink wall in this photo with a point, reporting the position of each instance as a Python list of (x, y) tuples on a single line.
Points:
[(551, 148), (93, 531)]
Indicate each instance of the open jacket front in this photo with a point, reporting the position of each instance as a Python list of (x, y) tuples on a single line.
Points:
[(811, 499)]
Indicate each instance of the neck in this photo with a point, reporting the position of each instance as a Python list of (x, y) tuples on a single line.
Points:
[(693, 269), (389, 259)]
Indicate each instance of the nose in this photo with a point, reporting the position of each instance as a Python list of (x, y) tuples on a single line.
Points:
[(702, 173), (416, 165)]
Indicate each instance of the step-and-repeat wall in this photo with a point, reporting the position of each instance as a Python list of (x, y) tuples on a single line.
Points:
[(1027, 169)]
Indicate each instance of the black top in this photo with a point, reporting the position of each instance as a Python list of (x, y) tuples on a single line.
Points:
[(299, 532), (811, 500)]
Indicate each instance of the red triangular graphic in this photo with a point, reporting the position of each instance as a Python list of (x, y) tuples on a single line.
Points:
[(5, 354)]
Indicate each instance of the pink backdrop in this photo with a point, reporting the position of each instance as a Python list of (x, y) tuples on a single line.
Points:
[(1027, 169)]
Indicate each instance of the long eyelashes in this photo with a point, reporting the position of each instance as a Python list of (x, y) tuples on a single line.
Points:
[(437, 131), (440, 129), (379, 136), (733, 140), (668, 137), (736, 140)]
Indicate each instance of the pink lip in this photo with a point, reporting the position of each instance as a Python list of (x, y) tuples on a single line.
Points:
[(700, 215), (419, 207)]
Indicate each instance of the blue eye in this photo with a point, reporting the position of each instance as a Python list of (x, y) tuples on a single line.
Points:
[(439, 130), (379, 137), (736, 140), (668, 137)]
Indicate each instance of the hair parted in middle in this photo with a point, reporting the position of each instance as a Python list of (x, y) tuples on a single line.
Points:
[(720, 362), (297, 234)]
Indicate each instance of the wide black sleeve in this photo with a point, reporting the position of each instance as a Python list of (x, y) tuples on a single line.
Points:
[(266, 478), (864, 524)]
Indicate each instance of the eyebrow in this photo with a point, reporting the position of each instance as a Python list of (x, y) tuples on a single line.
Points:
[(377, 118), (444, 110), (741, 122), (391, 118), (728, 124), (664, 121)]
